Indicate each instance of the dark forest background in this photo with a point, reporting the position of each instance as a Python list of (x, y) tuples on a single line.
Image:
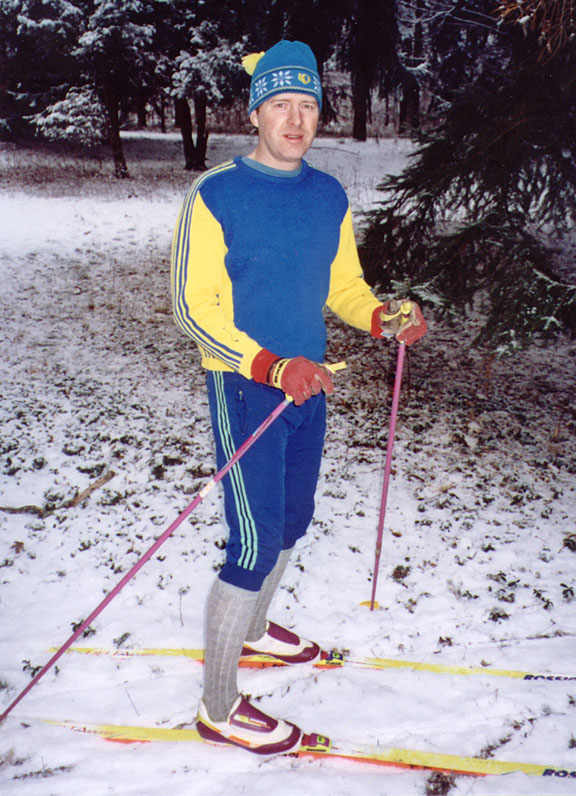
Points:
[(483, 217)]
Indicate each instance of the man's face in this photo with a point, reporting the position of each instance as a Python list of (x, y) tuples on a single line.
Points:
[(286, 128)]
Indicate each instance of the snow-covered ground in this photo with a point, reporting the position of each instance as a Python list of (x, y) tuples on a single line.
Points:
[(479, 554)]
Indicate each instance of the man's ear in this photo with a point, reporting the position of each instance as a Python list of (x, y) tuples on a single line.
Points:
[(254, 118)]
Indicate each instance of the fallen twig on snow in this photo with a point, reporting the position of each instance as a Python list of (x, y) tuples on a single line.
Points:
[(39, 511)]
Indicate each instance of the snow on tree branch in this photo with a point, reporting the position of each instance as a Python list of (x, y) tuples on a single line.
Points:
[(79, 118)]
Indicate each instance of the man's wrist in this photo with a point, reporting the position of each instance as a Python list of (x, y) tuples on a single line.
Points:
[(276, 371), (262, 364), (376, 325)]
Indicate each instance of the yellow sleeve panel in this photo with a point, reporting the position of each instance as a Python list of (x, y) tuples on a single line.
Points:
[(202, 291), (350, 297)]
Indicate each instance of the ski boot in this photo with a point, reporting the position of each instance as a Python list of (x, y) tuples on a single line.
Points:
[(283, 645), (251, 729)]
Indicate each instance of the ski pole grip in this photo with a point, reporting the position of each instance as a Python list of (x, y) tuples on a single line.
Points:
[(406, 308), (405, 312), (334, 367)]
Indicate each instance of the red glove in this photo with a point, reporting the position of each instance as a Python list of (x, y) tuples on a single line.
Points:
[(400, 318), (299, 378)]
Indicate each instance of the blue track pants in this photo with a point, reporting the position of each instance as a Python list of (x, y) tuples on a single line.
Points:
[(269, 493)]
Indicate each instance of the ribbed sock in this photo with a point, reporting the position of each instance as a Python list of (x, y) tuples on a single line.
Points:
[(258, 625), (228, 616)]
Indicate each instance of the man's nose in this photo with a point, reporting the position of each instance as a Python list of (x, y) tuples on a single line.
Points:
[(295, 116)]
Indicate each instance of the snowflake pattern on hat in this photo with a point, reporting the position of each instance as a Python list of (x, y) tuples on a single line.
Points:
[(282, 78), (260, 87)]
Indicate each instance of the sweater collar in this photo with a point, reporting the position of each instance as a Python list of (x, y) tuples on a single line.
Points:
[(263, 169)]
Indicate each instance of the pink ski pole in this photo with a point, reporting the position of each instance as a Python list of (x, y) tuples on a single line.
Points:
[(388, 465), (160, 541)]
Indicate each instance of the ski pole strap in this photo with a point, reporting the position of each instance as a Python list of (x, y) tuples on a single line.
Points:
[(335, 366), (277, 371), (404, 310)]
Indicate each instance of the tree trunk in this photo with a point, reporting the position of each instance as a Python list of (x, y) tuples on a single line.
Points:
[(111, 105), (360, 104), (160, 108), (409, 116), (141, 110), (200, 106), (184, 122)]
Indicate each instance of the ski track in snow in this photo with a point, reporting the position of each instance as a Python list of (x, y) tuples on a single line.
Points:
[(475, 566)]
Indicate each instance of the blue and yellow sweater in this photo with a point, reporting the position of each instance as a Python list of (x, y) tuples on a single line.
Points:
[(257, 254)]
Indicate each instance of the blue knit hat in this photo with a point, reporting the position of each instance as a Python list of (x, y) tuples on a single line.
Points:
[(287, 66)]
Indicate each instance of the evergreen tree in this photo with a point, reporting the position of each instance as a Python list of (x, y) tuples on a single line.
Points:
[(414, 62), (174, 25), (79, 118), (369, 51), (209, 71), (487, 190), (116, 55), (463, 42), (553, 21), (36, 66), (318, 23), (200, 64), (120, 57)]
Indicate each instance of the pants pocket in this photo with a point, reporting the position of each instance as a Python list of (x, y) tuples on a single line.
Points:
[(241, 411)]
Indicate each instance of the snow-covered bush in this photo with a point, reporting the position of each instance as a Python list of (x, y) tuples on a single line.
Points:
[(210, 67), (79, 118)]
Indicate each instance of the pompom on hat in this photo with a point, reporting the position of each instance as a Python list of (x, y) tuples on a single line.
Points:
[(287, 66)]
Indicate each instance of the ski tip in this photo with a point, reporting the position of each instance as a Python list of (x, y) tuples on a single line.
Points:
[(368, 604)]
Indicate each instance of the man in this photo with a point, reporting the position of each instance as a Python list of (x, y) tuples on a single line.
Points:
[(262, 244)]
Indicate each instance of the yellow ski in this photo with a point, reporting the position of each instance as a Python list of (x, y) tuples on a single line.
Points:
[(321, 747), (331, 660)]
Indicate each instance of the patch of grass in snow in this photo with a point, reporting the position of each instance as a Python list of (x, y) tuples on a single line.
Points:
[(439, 784), (9, 758), (43, 773)]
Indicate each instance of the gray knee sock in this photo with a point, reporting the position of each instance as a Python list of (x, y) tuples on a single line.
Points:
[(258, 625), (228, 616)]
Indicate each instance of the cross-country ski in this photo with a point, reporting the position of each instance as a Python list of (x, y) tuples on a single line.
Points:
[(320, 747), (332, 660)]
